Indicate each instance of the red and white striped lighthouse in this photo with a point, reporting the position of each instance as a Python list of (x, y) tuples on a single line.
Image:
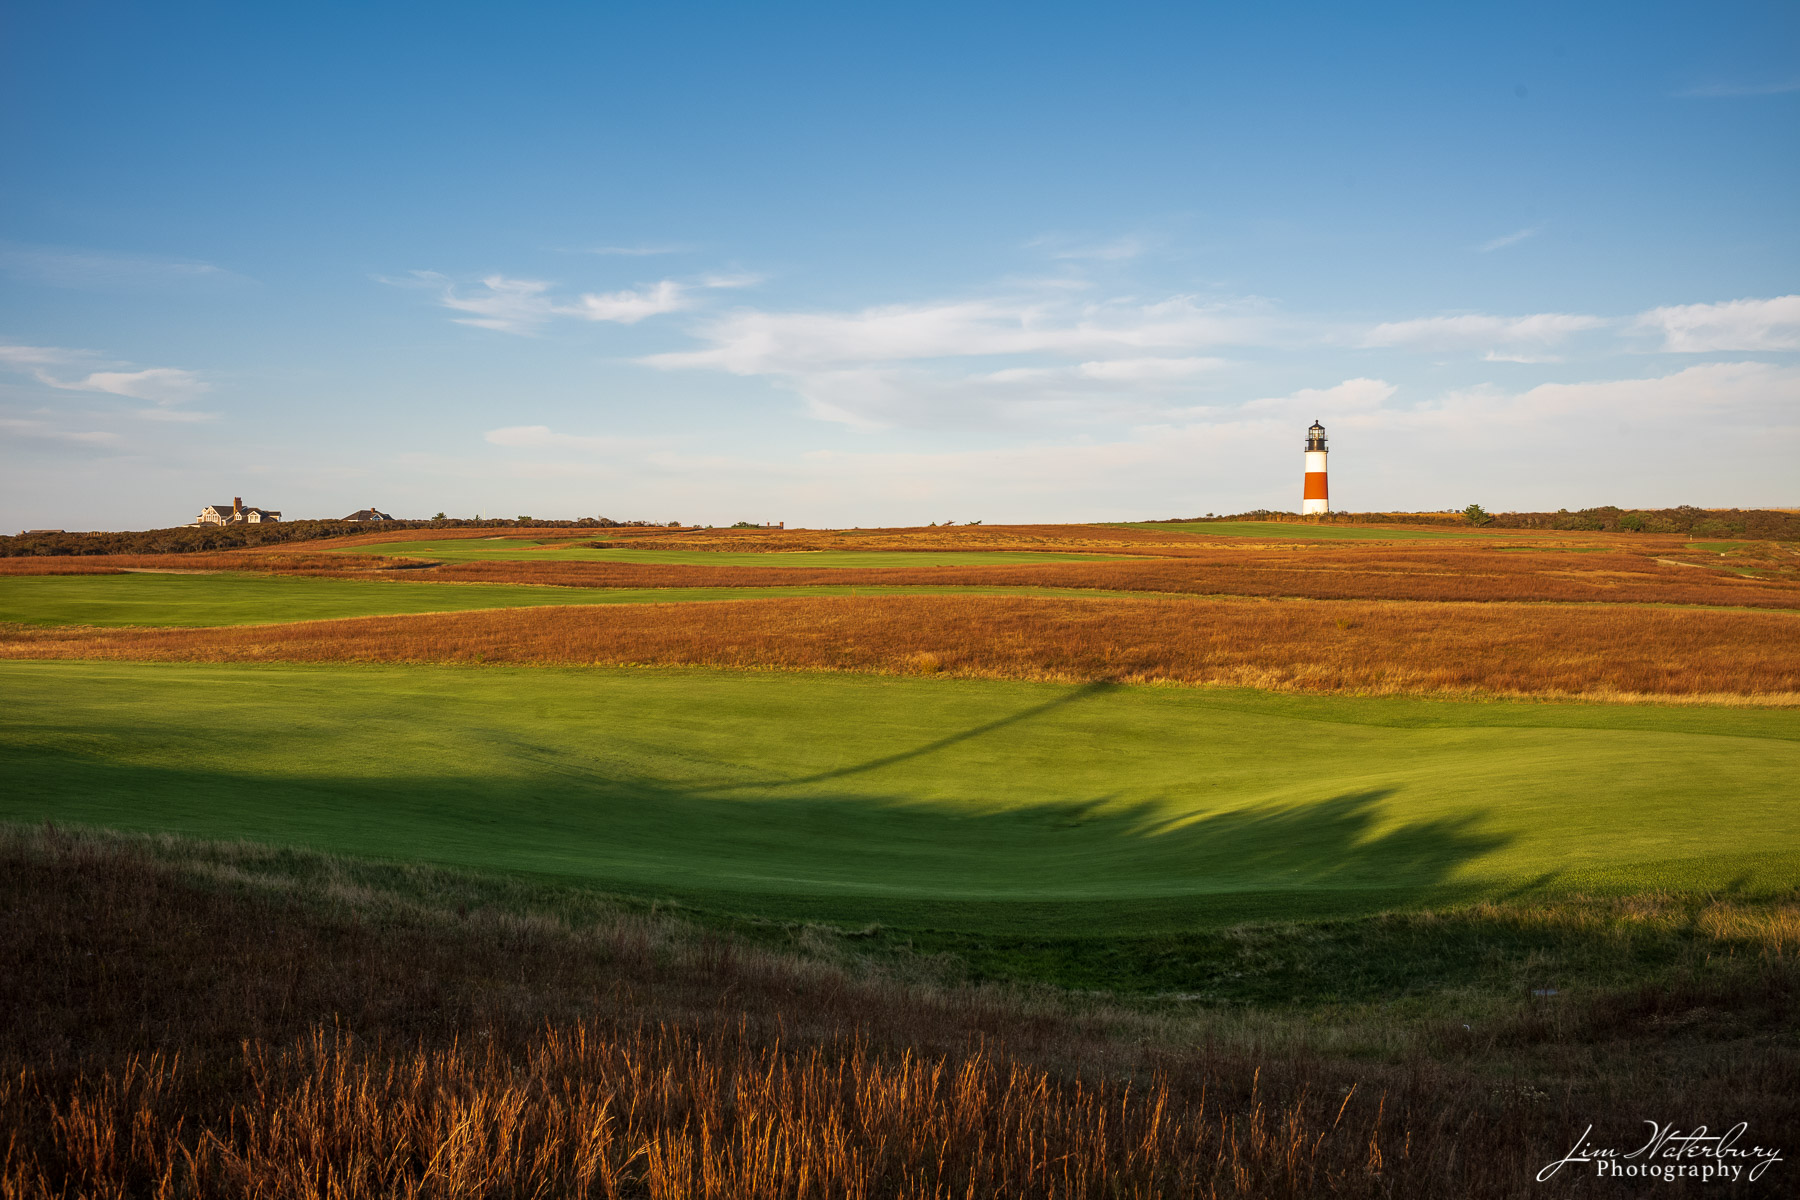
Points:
[(1316, 497)]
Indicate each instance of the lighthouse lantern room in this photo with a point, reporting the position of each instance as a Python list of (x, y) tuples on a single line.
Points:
[(1315, 497)]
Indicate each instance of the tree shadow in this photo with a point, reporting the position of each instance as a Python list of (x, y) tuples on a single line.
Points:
[(793, 848), (843, 843), (1085, 691)]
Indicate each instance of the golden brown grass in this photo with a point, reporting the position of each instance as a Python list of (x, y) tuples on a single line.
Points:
[(1326, 573), (1611, 569), (200, 1021), (1530, 650), (275, 561), (153, 1046), (1332, 573), (586, 1110)]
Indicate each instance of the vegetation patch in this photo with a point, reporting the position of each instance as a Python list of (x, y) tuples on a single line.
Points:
[(239, 598), (1009, 810), (1305, 531), (400, 1030), (1610, 652), (565, 550)]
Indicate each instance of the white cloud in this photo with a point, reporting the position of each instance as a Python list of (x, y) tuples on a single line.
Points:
[(630, 307), (1772, 324), (164, 387), (93, 269), (753, 342), (1352, 395), (509, 305), (1702, 435), (37, 356), (740, 279), (1728, 90), (1115, 250), (635, 251), (1477, 331), (1758, 391), (921, 365), (1511, 239), (159, 385), (19, 427), (1148, 370), (542, 437)]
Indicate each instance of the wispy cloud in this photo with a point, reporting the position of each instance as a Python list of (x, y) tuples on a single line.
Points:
[(1537, 453), (507, 305), (630, 307), (542, 437), (977, 363), (38, 356), (1352, 395), (1511, 239), (633, 251), (1723, 91), (159, 385), (1480, 331), (510, 305), (1148, 370), (1772, 324), (22, 427), (93, 269), (734, 279), (754, 342), (1117, 249), (164, 387)]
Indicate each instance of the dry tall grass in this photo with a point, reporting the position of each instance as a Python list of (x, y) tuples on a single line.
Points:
[(198, 1022), (1531, 650), (1331, 573), (664, 1112), (1318, 574), (275, 561), (1608, 571)]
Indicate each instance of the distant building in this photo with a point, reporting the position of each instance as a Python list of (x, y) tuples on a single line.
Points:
[(368, 514), (236, 514)]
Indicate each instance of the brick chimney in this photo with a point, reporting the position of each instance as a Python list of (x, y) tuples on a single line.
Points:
[(237, 504)]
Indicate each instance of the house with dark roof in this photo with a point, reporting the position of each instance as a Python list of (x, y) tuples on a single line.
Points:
[(235, 514), (368, 514)]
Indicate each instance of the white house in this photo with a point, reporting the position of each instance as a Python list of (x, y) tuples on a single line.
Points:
[(236, 514)]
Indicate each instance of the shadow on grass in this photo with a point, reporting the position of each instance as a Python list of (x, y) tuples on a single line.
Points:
[(944, 743), (1057, 867), (1055, 888)]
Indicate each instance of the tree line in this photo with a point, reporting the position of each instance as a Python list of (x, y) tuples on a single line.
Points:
[(195, 539), (1759, 523)]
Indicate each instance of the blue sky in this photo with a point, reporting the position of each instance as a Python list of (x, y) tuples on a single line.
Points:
[(846, 264)]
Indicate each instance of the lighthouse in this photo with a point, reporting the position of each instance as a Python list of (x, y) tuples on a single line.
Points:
[(1315, 497)]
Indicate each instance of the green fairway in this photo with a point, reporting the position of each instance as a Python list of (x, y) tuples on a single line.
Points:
[(239, 599), (572, 550), (968, 805), (1282, 529)]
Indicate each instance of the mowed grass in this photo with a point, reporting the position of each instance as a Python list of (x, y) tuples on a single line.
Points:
[(1283, 529), (567, 550), (233, 598), (968, 807)]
